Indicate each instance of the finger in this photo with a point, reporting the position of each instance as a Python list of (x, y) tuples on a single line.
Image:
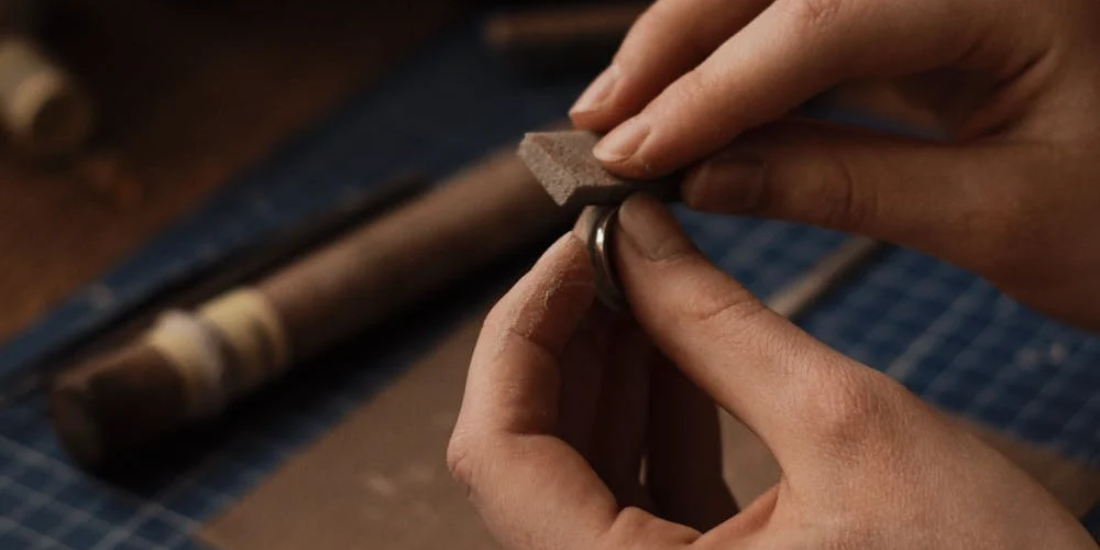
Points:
[(582, 373), (532, 489), (582, 369), (620, 437), (933, 103), (527, 484), (802, 398), (655, 52), (920, 194), (684, 464), (795, 50)]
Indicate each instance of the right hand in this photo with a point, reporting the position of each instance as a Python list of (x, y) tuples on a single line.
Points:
[(562, 404), (1016, 197)]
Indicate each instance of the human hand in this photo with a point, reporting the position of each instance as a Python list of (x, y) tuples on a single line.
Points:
[(550, 439), (1012, 197)]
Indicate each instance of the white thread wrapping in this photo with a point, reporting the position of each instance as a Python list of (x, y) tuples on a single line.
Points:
[(250, 327), (193, 351), (241, 326)]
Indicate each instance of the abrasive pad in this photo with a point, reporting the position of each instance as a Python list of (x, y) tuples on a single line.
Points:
[(564, 165)]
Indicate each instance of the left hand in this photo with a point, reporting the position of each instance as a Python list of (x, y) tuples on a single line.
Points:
[(565, 365)]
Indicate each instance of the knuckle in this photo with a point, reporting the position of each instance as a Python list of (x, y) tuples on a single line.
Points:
[(844, 203), (851, 409), (720, 308), (695, 91), (462, 461), (688, 91), (494, 319), (690, 86), (814, 14)]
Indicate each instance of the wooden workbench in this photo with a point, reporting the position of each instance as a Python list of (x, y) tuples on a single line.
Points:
[(189, 94)]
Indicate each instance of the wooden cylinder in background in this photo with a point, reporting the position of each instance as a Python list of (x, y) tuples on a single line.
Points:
[(190, 365), (45, 113), (479, 216)]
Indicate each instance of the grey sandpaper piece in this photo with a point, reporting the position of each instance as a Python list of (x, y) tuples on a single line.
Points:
[(563, 163)]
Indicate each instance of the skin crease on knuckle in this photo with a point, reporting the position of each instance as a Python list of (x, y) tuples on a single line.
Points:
[(694, 92), (681, 117), (847, 204), (703, 299), (813, 15), (718, 310), (851, 409), (635, 529), (463, 461)]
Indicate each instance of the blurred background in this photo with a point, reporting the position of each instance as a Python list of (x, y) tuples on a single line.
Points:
[(338, 166)]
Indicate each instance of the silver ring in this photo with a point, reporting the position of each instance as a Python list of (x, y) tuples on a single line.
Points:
[(600, 250)]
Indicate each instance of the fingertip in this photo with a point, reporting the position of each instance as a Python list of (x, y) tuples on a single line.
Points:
[(548, 303), (623, 142), (611, 99), (596, 97), (647, 146), (583, 226), (566, 251), (650, 229)]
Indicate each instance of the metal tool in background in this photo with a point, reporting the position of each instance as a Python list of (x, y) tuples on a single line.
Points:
[(796, 297), (556, 40)]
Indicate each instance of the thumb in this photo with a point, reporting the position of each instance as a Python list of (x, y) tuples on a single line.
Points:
[(919, 194), (801, 397)]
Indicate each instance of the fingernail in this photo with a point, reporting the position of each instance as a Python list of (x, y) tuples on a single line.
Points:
[(650, 228), (597, 92), (726, 184), (622, 142)]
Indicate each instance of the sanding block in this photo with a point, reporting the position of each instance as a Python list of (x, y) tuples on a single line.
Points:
[(565, 166)]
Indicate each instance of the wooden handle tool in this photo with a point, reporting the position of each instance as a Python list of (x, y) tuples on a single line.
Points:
[(191, 364), (556, 40)]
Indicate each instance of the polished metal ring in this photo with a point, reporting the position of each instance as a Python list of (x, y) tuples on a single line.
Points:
[(600, 250)]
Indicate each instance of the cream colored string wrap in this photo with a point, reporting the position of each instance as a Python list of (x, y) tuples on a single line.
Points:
[(228, 346)]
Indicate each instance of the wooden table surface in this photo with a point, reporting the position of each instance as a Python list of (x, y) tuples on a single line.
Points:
[(189, 93)]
